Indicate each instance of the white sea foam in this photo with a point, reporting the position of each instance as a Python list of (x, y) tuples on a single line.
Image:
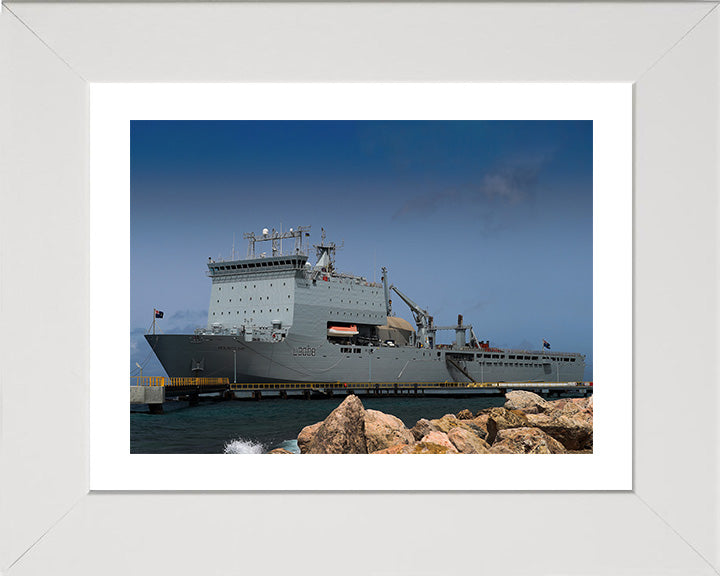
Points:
[(240, 446)]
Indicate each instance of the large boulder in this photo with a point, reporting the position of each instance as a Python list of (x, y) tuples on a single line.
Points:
[(439, 439), (446, 423), (480, 423), (385, 430), (525, 441), (279, 451), (465, 415), (574, 431), (306, 435), (502, 419), (450, 422), (342, 432), (525, 401), (466, 442), (422, 428)]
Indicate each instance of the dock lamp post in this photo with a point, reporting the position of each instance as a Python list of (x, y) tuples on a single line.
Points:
[(141, 368)]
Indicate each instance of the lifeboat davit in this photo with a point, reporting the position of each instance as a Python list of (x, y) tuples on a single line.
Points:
[(343, 331)]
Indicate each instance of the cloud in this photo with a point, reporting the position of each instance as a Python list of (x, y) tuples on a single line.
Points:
[(510, 183)]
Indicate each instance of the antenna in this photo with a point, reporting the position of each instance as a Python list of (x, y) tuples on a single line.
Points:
[(326, 249), (276, 238)]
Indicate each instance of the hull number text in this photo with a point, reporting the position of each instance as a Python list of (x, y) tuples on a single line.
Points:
[(304, 351)]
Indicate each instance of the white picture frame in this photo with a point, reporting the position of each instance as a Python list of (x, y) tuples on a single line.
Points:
[(668, 523), (114, 106)]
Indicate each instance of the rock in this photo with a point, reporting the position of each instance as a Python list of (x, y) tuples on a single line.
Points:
[(502, 419), (525, 441), (396, 449), (279, 451), (385, 430), (422, 428), (450, 422), (573, 432), (429, 448), (465, 415), (480, 422), (526, 402), (466, 442), (589, 405), (473, 428), (446, 423), (439, 439), (306, 435), (342, 432)]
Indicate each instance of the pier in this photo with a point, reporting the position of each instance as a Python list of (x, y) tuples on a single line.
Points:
[(154, 390)]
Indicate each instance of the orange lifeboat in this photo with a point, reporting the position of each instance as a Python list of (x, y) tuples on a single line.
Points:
[(346, 331)]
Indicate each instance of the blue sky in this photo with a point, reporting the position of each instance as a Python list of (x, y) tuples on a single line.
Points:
[(489, 219)]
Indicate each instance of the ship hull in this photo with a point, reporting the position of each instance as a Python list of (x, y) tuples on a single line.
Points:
[(305, 360)]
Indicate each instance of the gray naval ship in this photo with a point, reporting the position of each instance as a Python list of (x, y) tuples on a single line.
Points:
[(279, 318)]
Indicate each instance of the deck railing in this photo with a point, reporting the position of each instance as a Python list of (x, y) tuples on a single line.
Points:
[(164, 381)]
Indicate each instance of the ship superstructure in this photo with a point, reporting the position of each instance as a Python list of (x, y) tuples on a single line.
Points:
[(276, 317)]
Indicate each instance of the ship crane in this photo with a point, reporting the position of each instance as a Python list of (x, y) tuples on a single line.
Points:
[(423, 320), (426, 329)]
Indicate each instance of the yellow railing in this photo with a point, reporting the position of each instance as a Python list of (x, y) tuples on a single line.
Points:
[(198, 381), (163, 381), (148, 381)]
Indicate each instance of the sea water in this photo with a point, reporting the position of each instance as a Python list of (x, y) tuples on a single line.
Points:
[(253, 427)]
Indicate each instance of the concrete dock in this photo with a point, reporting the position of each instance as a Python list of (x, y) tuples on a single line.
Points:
[(154, 390)]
